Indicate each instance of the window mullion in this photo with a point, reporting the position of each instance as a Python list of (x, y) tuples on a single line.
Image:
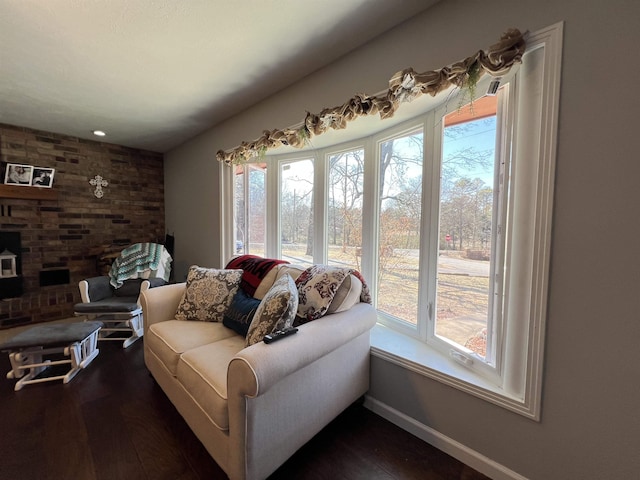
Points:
[(320, 210), (430, 226), (247, 197), (370, 213), (504, 125), (273, 248)]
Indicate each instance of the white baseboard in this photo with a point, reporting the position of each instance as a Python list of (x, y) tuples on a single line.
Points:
[(448, 445)]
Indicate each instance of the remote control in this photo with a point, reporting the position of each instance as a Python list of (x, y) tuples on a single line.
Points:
[(278, 334)]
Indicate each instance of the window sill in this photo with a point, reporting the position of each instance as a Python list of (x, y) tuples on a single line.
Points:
[(416, 356)]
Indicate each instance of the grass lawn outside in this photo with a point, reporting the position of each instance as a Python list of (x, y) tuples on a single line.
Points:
[(462, 297)]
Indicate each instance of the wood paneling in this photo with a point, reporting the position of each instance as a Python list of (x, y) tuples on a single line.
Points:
[(28, 193)]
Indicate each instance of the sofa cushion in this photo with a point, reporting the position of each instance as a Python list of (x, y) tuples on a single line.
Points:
[(203, 373), (347, 296), (294, 270), (240, 313), (273, 275), (208, 294), (168, 340), (266, 283), (108, 305), (276, 311)]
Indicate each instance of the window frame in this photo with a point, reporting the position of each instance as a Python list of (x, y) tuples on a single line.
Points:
[(347, 147), (424, 331), (422, 122), (491, 366), (519, 388)]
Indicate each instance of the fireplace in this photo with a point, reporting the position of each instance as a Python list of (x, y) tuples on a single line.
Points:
[(60, 227), (10, 265)]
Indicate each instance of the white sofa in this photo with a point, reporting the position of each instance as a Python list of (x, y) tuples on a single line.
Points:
[(253, 407)]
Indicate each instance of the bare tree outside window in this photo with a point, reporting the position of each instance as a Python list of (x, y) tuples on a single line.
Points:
[(250, 214), (466, 218), (346, 176), (296, 215), (400, 210)]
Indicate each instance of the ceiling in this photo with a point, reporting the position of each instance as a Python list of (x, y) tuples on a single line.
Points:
[(154, 73)]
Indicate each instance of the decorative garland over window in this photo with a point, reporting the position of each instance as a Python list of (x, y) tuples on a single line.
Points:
[(404, 86)]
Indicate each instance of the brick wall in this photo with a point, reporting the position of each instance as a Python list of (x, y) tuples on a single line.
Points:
[(71, 231)]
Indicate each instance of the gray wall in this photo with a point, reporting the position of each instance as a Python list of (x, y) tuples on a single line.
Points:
[(590, 426), (192, 204)]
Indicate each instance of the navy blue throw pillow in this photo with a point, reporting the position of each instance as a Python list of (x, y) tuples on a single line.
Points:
[(240, 313)]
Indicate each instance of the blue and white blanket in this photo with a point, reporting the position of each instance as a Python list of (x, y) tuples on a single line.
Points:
[(140, 260)]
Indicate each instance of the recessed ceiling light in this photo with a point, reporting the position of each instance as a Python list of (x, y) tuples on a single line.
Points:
[(99, 133)]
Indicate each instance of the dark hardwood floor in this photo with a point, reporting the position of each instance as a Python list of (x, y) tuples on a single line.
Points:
[(113, 422)]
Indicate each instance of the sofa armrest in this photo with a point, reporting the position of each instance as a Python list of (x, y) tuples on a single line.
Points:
[(160, 304), (254, 370)]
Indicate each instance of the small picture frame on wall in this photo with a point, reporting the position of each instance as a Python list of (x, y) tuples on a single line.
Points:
[(17, 174), (42, 177)]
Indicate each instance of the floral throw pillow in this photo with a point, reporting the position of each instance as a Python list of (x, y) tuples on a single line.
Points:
[(318, 285), (276, 311), (208, 294)]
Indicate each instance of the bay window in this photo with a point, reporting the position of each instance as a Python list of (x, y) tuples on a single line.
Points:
[(446, 213)]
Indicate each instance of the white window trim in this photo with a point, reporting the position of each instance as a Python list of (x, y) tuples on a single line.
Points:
[(519, 393)]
